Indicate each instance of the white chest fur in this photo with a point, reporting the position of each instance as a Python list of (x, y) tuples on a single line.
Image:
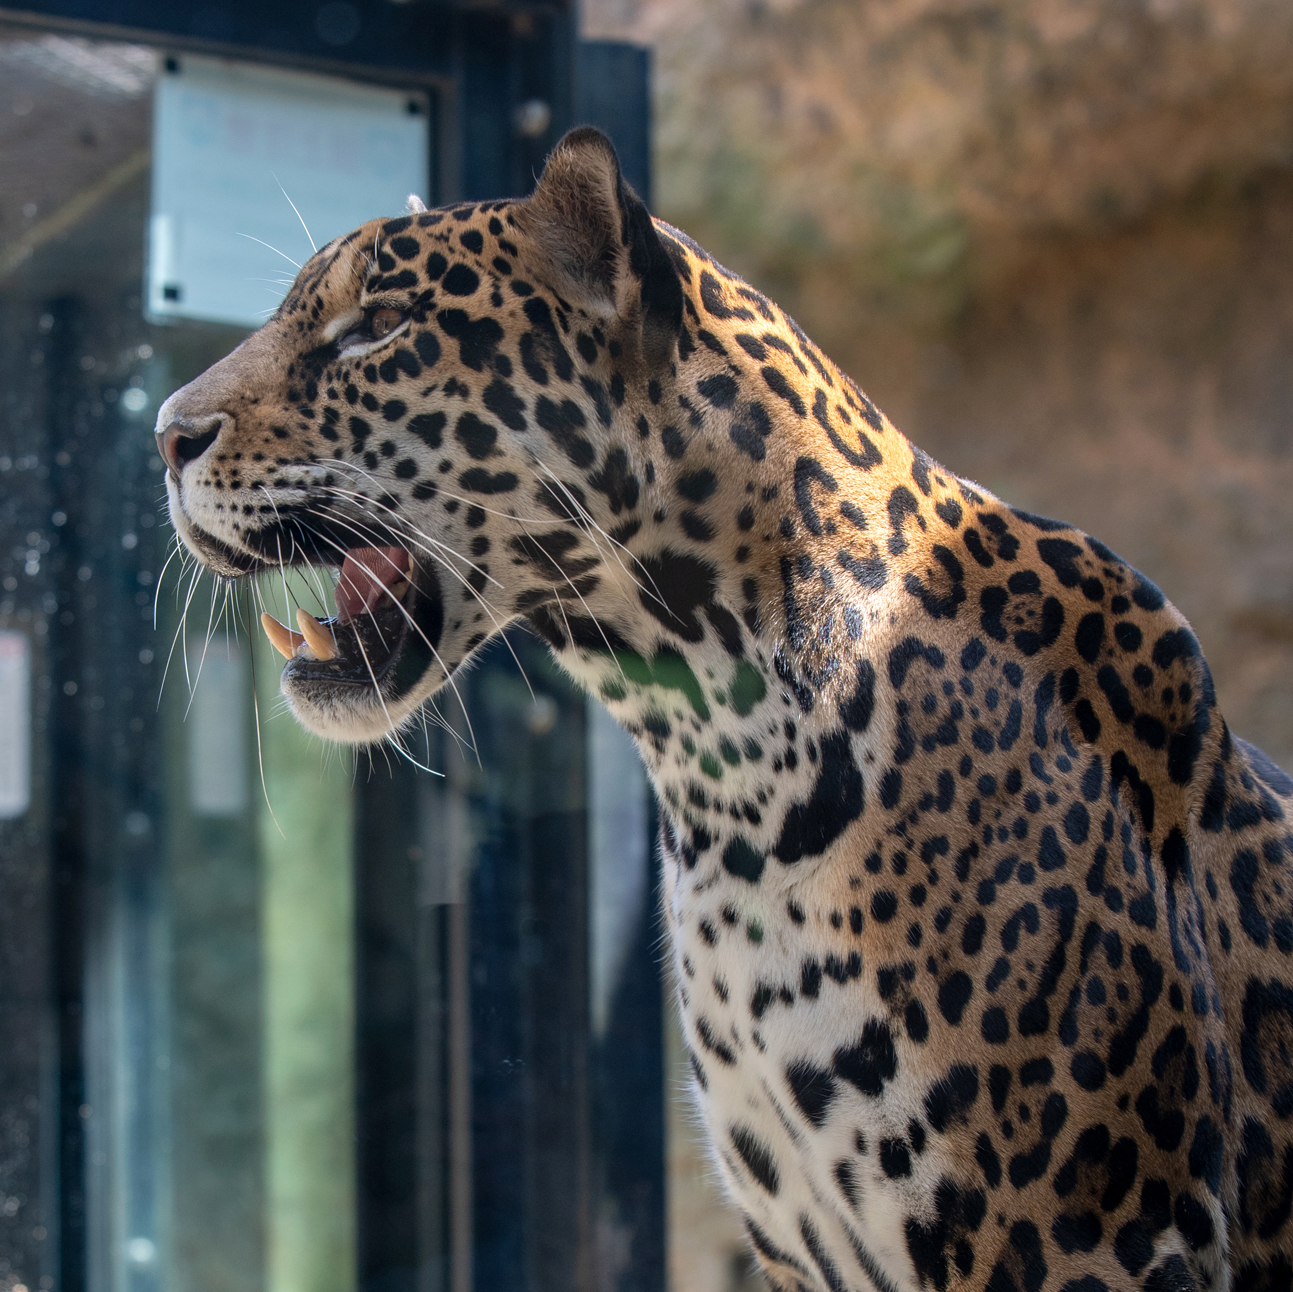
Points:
[(814, 1111)]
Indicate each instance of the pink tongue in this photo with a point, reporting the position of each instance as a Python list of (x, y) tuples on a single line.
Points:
[(365, 574)]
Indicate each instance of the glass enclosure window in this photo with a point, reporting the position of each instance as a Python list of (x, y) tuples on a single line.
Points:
[(278, 1016)]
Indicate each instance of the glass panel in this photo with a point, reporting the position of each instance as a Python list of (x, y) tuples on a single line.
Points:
[(285, 1018), (183, 1110)]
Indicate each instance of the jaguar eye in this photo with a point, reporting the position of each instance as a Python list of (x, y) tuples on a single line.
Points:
[(384, 322)]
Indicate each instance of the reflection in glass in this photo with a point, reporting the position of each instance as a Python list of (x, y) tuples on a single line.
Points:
[(284, 1017)]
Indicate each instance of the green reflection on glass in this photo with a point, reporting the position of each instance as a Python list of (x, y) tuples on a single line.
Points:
[(305, 832)]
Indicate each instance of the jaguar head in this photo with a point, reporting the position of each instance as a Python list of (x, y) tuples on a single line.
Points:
[(443, 411)]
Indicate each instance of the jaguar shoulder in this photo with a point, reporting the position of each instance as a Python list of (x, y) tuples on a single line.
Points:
[(980, 915)]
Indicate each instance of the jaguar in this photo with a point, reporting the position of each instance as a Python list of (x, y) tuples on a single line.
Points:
[(981, 917)]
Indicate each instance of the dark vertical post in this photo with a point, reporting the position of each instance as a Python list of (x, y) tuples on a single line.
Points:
[(386, 1010), (542, 72), (628, 1103), (613, 93), (68, 793), (557, 1003), (28, 1074), (529, 982), (503, 61)]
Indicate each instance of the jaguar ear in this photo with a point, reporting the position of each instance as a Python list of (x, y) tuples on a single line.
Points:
[(600, 243)]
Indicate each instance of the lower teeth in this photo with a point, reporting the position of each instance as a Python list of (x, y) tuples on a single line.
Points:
[(315, 636), (282, 638), (319, 639)]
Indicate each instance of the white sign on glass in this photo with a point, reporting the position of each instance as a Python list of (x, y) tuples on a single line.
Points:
[(15, 725), (217, 728), (239, 150)]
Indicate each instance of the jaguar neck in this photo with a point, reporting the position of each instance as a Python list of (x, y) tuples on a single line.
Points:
[(734, 635)]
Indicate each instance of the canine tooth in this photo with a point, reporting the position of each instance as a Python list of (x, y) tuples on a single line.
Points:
[(397, 590), (316, 636), (282, 638)]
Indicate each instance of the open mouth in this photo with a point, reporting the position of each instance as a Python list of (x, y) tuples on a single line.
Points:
[(359, 643), (383, 636), (356, 675)]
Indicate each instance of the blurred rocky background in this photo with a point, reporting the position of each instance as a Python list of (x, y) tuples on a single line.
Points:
[(1054, 240)]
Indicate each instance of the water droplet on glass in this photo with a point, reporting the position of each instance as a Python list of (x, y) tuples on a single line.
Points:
[(140, 1251)]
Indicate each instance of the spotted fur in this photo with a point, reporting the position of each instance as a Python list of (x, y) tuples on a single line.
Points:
[(980, 914)]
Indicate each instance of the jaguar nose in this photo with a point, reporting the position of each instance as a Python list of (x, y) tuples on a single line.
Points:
[(186, 439)]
